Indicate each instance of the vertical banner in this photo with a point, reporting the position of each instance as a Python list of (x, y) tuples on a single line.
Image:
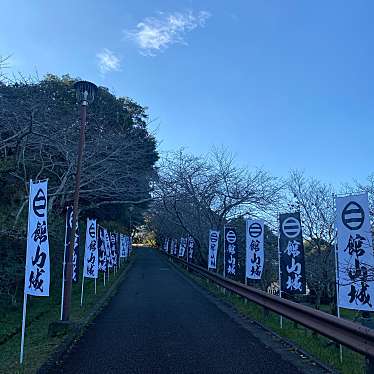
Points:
[(91, 256), (113, 243), (231, 253), (68, 230), (37, 271), (180, 247), (254, 258), (175, 247), (166, 245), (184, 247), (117, 248), (291, 254), (355, 252), (191, 247), (123, 245), (108, 251), (75, 274), (101, 250), (171, 251), (127, 245), (213, 249), (37, 267)]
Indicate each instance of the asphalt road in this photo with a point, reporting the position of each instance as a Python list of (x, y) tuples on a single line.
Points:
[(160, 323)]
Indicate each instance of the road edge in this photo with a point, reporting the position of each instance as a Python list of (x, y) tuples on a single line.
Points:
[(248, 323), (71, 339)]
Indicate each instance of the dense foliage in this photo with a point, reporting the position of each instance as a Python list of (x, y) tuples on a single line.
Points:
[(39, 132)]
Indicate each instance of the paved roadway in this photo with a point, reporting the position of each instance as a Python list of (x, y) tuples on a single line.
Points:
[(161, 323)]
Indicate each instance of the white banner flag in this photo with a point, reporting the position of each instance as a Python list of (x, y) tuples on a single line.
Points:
[(191, 245), (108, 251), (254, 262), (184, 246), (166, 245), (355, 252), (171, 250), (37, 271), (91, 255), (122, 246), (174, 245), (113, 248), (180, 247), (213, 249), (127, 245)]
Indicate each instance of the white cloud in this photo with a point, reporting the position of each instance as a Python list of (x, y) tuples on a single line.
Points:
[(108, 61), (154, 35)]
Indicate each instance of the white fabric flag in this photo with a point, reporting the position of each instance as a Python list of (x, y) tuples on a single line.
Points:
[(37, 270), (213, 249), (108, 251), (191, 245), (184, 246), (122, 245), (127, 245), (175, 247), (113, 248), (180, 247), (166, 245), (91, 255), (254, 261), (172, 246), (355, 252)]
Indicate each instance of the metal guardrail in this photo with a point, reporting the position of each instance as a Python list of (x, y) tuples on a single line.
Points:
[(348, 333)]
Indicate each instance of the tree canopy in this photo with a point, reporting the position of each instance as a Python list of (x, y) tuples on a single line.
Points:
[(39, 136)]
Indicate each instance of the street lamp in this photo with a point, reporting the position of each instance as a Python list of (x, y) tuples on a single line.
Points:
[(85, 94), (131, 208)]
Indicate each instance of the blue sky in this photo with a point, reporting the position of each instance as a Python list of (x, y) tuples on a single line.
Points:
[(283, 84)]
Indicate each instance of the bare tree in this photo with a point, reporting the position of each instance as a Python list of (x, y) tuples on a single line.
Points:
[(199, 193)]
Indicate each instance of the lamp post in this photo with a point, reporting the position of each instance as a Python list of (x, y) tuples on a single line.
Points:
[(131, 208), (85, 94)]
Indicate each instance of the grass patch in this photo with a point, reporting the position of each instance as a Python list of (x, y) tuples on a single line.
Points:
[(40, 313)]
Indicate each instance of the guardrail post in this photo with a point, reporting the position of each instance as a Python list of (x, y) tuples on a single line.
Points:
[(367, 321)]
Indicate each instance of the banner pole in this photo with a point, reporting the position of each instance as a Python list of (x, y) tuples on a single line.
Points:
[(104, 277), (23, 327), (280, 295), (24, 293), (340, 346), (62, 288), (224, 256), (63, 267), (82, 290), (280, 280), (337, 286), (95, 286), (246, 283), (224, 250)]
